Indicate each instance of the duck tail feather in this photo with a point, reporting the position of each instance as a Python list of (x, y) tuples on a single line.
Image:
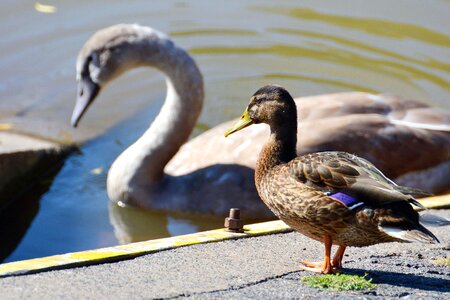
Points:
[(416, 203), (421, 235)]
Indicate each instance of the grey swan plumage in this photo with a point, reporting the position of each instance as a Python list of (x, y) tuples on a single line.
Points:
[(209, 174)]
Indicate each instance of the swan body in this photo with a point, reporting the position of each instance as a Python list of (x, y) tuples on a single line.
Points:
[(210, 174), (390, 131)]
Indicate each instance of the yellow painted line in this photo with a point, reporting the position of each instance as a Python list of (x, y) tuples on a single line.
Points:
[(6, 126), (45, 8), (137, 249), (440, 202)]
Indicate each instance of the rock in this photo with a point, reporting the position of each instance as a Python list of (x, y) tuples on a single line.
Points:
[(23, 161)]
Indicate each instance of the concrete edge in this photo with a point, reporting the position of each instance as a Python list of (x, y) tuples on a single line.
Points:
[(436, 202), (26, 160), (132, 250)]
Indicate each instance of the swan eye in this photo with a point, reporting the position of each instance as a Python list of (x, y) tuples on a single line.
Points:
[(94, 58), (94, 67)]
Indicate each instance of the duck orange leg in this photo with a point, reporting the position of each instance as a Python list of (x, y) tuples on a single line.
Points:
[(324, 267), (337, 259)]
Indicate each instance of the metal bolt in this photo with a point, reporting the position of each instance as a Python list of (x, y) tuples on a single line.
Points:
[(234, 222)]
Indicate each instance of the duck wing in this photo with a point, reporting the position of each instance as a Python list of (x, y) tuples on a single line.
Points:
[(341, 172), (355, 182)]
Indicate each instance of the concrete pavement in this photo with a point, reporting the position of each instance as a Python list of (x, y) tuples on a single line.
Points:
[(250, 268)]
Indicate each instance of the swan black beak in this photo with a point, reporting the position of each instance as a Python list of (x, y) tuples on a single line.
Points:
[(86, 93)]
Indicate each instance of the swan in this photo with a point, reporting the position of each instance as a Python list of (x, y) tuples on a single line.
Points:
[(210, 174)]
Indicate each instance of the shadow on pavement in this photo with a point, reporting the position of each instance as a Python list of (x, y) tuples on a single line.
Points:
[(405, 280)]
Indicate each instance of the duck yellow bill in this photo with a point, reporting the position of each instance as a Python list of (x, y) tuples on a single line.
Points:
[(243, 122)]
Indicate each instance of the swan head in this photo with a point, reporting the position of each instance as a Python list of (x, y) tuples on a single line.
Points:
[(109, 53)]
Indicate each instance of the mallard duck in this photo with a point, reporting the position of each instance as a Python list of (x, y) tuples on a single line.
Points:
[(333, 197), (209, 174)]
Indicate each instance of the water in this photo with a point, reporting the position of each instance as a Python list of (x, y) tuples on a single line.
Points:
[(310, 47)]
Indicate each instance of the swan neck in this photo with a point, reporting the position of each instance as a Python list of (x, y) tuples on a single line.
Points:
[(178, 115), (148, 156)]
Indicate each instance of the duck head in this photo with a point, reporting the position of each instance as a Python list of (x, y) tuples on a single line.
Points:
[(272, 105)]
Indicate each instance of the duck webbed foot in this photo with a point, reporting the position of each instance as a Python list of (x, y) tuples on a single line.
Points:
[(327, 266), (317, 267)]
